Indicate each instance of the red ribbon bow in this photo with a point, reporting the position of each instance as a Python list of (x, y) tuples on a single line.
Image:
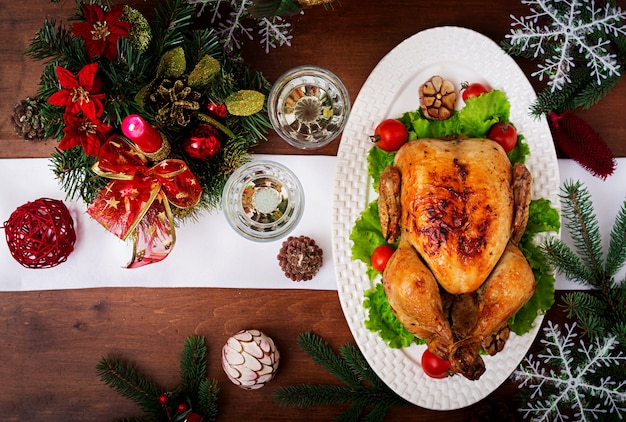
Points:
[(137, 200)]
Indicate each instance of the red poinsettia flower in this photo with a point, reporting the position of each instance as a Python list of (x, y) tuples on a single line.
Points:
[(80, 94), (101, 30), (80, 130)]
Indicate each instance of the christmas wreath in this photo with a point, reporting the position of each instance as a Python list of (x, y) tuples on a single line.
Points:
[(151, 116)]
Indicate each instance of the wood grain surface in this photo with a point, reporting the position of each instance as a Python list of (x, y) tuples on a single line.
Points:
[(51, 341)]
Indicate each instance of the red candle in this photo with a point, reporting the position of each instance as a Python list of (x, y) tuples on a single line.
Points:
[(147, 138)]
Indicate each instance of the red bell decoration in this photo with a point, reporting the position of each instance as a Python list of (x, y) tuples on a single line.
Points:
[(203, 142), (217, 111), (40, 234)]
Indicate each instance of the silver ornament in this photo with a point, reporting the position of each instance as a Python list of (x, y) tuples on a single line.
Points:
[(250, 359)]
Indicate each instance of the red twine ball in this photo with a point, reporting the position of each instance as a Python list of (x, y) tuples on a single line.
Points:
[(40, 234)]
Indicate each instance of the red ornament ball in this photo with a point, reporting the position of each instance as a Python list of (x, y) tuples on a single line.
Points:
[(217, 111), (203, 142), (40, 234)]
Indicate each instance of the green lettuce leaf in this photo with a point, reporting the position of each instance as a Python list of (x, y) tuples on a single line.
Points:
[(366, 235), (382, 320), (377, 160), (473, 120)]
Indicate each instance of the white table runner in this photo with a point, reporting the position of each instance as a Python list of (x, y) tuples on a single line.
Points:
[(209, 253)]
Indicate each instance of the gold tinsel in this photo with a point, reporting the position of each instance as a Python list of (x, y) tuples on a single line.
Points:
[(140, 33), (310, 3), (245, 102)]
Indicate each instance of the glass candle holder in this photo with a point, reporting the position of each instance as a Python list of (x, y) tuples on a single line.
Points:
[(263, 200), (308, 106)]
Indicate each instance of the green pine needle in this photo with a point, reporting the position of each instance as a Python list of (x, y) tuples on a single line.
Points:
[(193, 365), (364, 390), (197, 391), (600, 312), (616, 256), (583, 226), (129, 383)]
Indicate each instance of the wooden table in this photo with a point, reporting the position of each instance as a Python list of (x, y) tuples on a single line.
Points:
[(51, 341)]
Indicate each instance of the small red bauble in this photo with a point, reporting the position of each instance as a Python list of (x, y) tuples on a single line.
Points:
[(163, 399), (203, 142), (217, 111), (40, 234)]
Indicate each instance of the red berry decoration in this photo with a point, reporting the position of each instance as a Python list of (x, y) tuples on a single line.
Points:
[(203, 142), (217, 111), (40, 234)]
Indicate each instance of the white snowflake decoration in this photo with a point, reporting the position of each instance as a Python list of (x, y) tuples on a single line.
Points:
[(570, 34), (571, 378), (235, 27), (275, 31)]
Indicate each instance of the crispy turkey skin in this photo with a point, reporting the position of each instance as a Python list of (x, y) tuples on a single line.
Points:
[(459, 208)]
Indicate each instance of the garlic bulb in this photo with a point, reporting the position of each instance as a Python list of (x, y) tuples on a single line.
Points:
[(250, 359)]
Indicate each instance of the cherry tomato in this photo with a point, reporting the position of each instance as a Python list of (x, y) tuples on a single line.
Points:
[(381, 256), (433, 366), (504, 134), (472, 90), (390, 135)]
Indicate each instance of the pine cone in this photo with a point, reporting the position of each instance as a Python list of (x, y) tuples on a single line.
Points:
[(300, 258), (175, 102), (27, 121)]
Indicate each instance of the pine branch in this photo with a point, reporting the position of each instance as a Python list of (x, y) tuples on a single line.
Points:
[(583, 227), (363, 389), (600, 312), (193, 366), (171, 20), (73, 168), (616, 256), (54, 42), (129, 383), (208, 393), (196, 393), (560, 256), (202, 43), (323, 355), (270, 8)]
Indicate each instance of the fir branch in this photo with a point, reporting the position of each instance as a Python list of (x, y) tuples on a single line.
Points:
[(54, 42), (73, 168), (583, 227), (616, 256), (323, 355), (601, 311), (171, 20), (559, 255), (193, 365), (363, 389), (202, 43), (207, 404), (129, 383), (271, 8), (197, 393)]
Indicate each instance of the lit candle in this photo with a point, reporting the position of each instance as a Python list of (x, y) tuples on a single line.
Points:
[(147, 138)]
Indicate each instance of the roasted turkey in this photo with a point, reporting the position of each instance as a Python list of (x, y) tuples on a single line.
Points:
[(459, 209)]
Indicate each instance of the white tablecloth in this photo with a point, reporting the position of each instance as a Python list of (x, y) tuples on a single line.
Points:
[(209, 253)]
